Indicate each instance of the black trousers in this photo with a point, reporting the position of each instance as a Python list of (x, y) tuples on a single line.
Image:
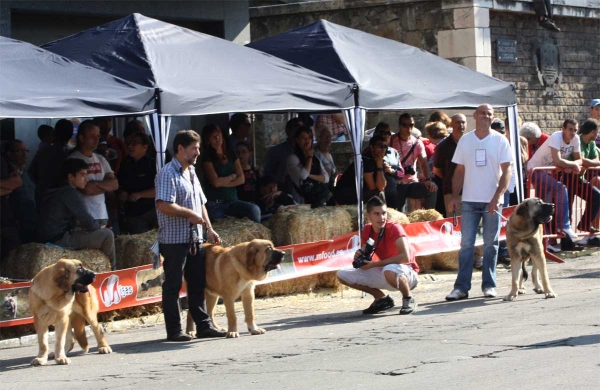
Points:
[(178, 263), (415, 190)]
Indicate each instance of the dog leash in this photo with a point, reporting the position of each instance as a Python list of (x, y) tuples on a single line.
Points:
[(501, 216)]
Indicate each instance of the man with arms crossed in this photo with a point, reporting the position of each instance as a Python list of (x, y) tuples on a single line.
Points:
[(483, 169), (181, 211), (397, 269)]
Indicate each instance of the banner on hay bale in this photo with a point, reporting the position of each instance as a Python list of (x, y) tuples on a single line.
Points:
[(143, 285)]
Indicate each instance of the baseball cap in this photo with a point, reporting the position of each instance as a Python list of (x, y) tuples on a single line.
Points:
[(594, 103), (498, 125)]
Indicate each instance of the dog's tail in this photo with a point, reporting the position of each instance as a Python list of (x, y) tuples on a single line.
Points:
[(525, 274)]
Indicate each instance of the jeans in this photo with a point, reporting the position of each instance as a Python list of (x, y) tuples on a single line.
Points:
[(502, 248), (102, 239), (178, 262), (236, 208), (586, 191), (471, 214), (415, 190), (550, 189)]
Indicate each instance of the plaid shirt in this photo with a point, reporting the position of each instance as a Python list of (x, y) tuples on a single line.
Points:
[(173, 187), (336, 128)]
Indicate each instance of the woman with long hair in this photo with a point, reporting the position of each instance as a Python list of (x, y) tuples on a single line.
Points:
[(223, 173)]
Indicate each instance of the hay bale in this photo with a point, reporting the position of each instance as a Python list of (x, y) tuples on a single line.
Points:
[(297, 225), (448, 261), (29, 259), (424, 215), (234, 231), (397, 216), (425, 263), (133, 250), (329, 280)]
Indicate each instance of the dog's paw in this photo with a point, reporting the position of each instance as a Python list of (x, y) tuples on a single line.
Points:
[(551, 294), (257, 331), (39, 361), (63, 360), (509, 298), (538, 290), (104, 350), (522, 291), (233, 335)]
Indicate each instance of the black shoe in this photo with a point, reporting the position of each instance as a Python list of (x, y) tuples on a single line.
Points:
[(210, 333), (549, 25), (567, 245), (179, 337), (408, 305), (380, 305), (504, 259)]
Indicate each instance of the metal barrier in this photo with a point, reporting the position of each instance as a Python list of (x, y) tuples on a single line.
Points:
[(576, 196)]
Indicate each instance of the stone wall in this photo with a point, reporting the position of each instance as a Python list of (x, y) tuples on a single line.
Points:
[(579, 48)]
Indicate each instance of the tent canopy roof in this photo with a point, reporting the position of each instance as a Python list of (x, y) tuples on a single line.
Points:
[(198, 73), (35, 83), (390, 75)]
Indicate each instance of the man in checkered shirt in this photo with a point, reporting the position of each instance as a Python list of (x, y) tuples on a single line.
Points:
[(180, 205)]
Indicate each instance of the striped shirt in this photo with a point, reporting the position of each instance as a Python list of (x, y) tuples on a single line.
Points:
[(173, 187)]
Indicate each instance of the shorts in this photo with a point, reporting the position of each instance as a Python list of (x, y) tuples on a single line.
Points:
[(375, 277)]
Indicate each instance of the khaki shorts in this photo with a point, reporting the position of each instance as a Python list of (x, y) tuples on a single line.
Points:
[(375, 278)]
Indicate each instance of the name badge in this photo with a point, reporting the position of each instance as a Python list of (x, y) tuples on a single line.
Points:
[(480, 159)]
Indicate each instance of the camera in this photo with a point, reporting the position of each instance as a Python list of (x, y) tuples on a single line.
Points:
[(409, 170), (365, 255)]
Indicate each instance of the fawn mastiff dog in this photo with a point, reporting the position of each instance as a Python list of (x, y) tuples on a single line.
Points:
[(61, 295), (524, 233), (231, 273)]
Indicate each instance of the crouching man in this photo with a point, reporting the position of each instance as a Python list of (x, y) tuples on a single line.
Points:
[(395, 271), (64, 204)]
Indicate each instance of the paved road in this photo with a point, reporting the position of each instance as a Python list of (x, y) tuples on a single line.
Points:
[(324, 342)]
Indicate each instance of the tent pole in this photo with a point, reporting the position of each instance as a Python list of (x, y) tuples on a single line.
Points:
[(513, 122)]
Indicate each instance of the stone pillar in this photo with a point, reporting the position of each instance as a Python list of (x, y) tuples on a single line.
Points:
[(469, 43)]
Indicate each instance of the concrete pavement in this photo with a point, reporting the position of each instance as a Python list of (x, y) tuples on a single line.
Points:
[(324, 342)]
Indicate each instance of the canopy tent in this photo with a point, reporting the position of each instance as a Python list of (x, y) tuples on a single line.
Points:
[(35, 83), (198, 74), (387, 75)]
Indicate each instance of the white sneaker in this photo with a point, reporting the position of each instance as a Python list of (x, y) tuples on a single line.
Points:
[(585, 240), (570, 233), (489, 292), (457, 295), (554, 248)]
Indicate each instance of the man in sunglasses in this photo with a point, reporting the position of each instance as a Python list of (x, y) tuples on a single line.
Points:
[(392, 169), (411, 151)]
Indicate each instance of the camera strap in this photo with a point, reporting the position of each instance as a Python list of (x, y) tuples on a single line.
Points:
[(409, 152), (379, 237)]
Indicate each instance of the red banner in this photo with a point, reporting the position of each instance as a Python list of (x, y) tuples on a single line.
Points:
[(143, 285)]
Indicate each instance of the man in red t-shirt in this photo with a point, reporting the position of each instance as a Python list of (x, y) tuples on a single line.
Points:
[(393, 269)]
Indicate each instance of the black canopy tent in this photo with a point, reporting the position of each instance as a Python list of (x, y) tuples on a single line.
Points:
[(35, 83), (198, 74), (389, 75)]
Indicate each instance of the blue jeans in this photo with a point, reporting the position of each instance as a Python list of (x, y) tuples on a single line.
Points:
[(550, 189), (471, 214), (236, 208)]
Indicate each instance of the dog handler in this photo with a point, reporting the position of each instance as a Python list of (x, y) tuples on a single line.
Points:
[(180, 204), (397, 270)]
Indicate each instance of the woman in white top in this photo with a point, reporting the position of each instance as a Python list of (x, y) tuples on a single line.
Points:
[(306, 177), (322, 151)]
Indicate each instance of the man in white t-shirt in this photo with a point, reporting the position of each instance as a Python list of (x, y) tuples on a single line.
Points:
[(556, 152), (101, 178), (483, 169)]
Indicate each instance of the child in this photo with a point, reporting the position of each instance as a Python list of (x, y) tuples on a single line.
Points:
[(248, 191), (270, 198)]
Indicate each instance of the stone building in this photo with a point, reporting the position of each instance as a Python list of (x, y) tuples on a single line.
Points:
[(468, 32)]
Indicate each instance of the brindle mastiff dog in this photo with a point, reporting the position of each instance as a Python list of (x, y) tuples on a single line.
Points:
[(524, 241)]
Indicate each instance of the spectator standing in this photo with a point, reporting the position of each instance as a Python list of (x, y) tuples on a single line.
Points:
[(436, 133), (101, 178), (180, 204), (483, 168), (275, 162), (46, 165), (22, 198), (307, 178), (223, 173), (46, 135), (240, 129), (63, 204), (105, 125), (534, 136), (411, 151), (443, 167), (337, 124), (10, 180), (136, 186), (396, 268)]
